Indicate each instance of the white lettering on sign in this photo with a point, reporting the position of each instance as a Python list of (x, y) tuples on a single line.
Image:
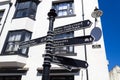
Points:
[(60, 42), (73, 27)]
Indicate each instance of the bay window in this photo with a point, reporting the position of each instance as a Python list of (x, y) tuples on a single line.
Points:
[(26, 8), (13, 40)]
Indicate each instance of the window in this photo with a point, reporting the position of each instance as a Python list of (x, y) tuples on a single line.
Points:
[(26, 8), (1, 14), (66, 49), (10, 77), (13, 40), (64, 8), (62, 77)]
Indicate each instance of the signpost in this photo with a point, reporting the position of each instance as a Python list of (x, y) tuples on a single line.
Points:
[(50, 42), (58, 43), (69, 61), (60, 30), (73, 27), (74, 41)]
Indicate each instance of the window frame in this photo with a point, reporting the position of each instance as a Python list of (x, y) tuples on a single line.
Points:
[(15, 77), (65, 50), (61, 77), (19, 51), (67, 10), (19, 13)]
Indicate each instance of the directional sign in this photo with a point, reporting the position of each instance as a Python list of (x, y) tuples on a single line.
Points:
[(32, 42), (73, 27), (58, 43), (69, 61), (74, 41)]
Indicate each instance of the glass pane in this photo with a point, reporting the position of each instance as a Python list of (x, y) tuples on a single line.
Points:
[(64, 49), (32, 13), (64, 13), (17, 37), (60, 13), (1, 13), (71, 48), (27, 36), (27, 4), (16, 47), (34, 6), (11, 38), (24, 51), (10, 46), (65, 6), (21, 13), (60, 7), (23, 5), (70, 11), (64, 9)]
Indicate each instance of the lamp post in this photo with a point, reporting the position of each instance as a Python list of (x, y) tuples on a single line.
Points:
[(49, 46), (96, 31), (97, 13)]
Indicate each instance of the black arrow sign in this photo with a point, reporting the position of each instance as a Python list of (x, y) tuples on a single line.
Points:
[(74, 41), (73, 27), (69, 61), (32, 42), (58, 43)]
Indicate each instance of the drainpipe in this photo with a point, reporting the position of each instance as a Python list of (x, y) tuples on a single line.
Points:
[(85, 48)]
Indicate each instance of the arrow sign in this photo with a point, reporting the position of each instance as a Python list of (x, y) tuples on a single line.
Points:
[(73, 27), (69, 61), (74, 41), (32, 42), (58, 43)]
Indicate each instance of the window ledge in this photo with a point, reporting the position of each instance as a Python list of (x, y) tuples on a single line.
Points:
[(67, 54), (66, 16), (24, 17), (23, 55)]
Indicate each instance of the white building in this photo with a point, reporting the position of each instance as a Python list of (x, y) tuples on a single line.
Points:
[(22, 20), (115, 73)]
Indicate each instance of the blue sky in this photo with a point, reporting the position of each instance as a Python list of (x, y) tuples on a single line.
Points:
[(111, 30)]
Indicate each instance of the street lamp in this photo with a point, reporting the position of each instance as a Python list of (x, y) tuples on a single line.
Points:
[(96, 13), (96, 31)]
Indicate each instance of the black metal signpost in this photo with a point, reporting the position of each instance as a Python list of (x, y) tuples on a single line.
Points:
[(49, 46), (51, 43)]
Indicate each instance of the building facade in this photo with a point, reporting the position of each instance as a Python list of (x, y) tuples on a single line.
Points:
[(24, 20), (115, 73)]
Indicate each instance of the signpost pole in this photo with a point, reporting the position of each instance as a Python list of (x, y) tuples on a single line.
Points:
[(49, 46)]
